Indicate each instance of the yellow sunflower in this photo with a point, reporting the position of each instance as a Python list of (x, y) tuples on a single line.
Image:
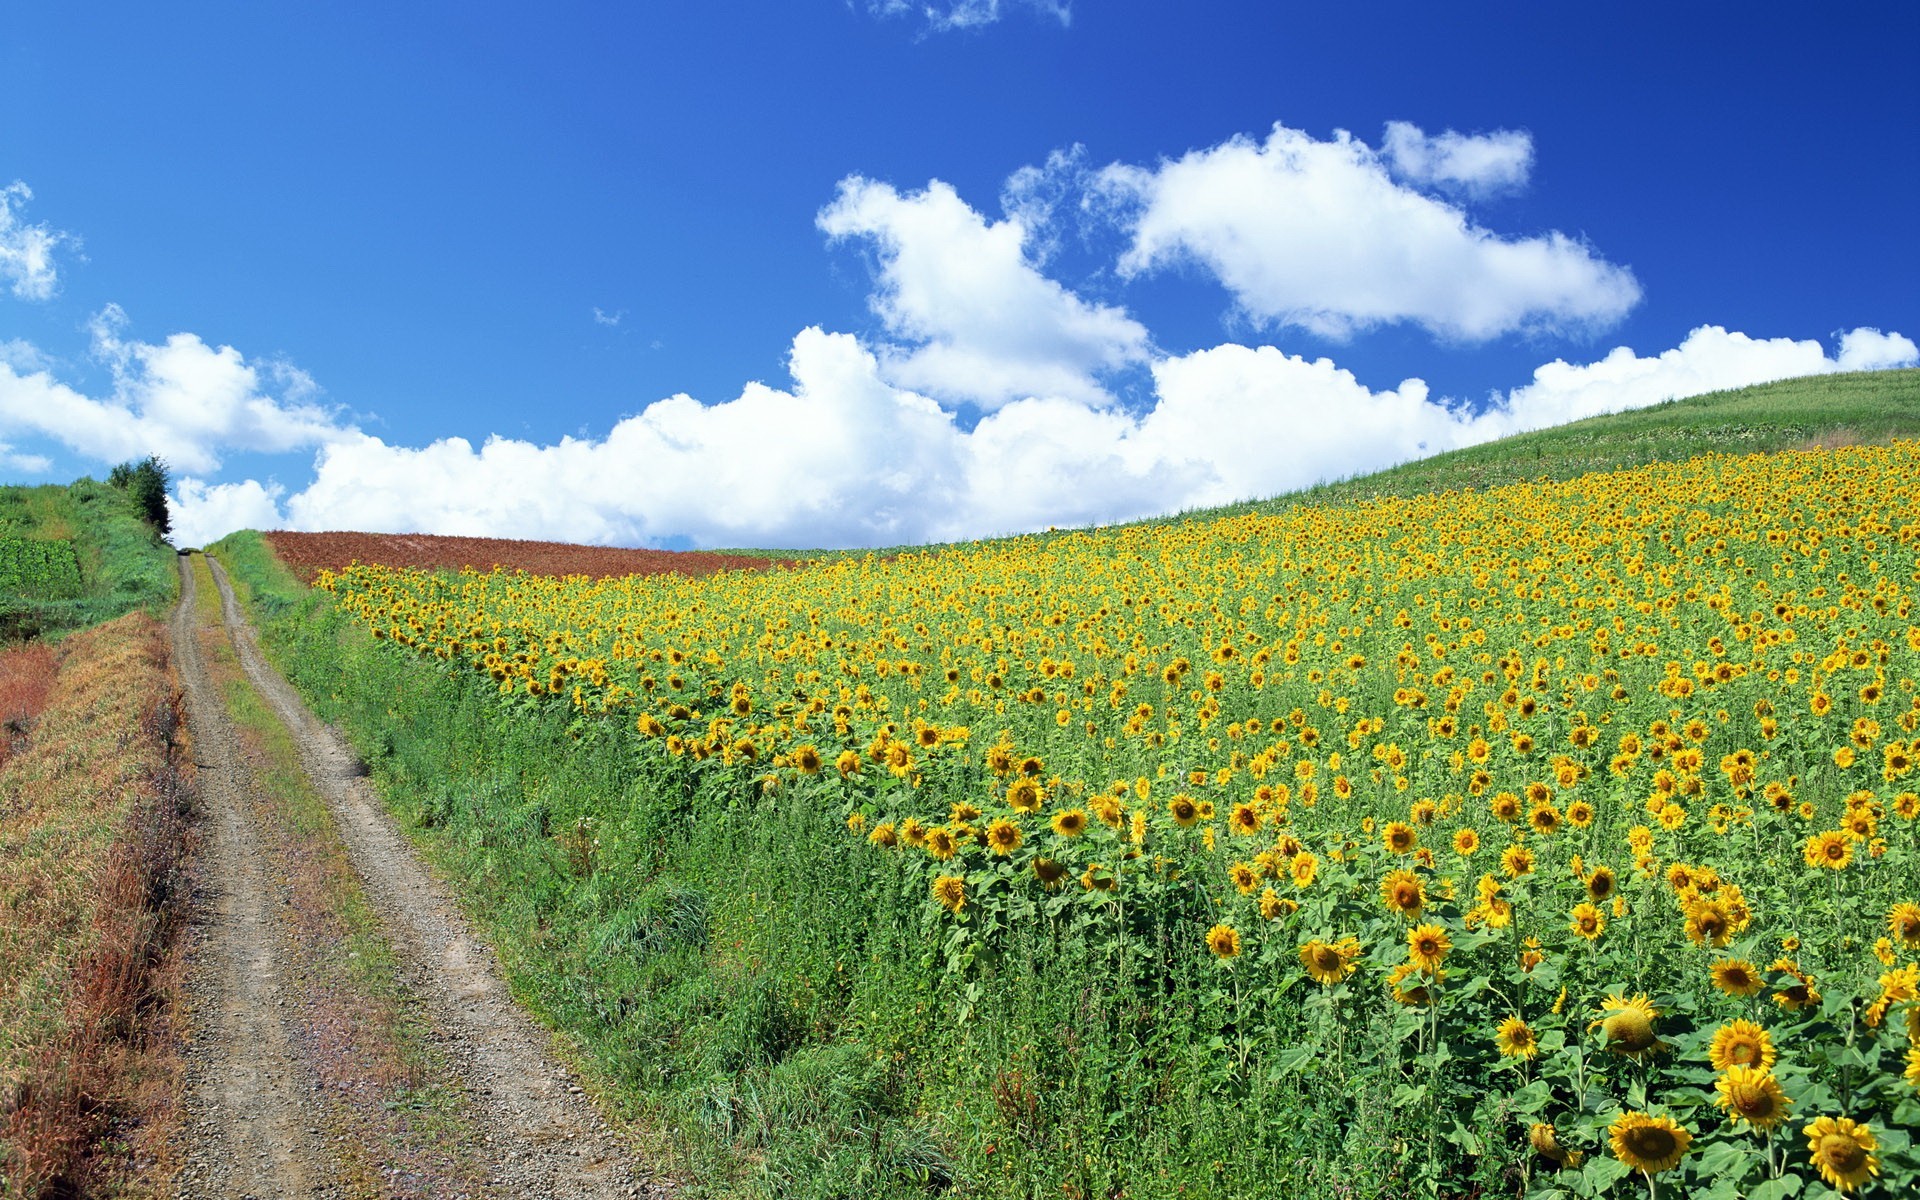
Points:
[(1185, 810), (951, 892), (1541, 1137), (1330, 962), (1516, 861), (1403, 892), (1409, 986), (1514, 1039), (1628, 1025), (1741, 1043), (1003, 837), (1466, 842), (1224, 941), (1843, 1151), (1600, 885), (1647, 1143), (1903, 921), (942, 843), (1737, 977), (1427, 947), (1070, 823), (1049, 872), (1273, 905), (1024, 795), (1832, 850), (1796, 991), (1587, 921), (1753, 1095), (1303, 867), (1399, 837)]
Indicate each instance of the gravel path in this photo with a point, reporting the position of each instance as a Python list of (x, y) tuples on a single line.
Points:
[(539, 1133)]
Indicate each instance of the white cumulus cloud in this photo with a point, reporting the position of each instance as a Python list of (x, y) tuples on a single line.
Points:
[(1320, 236), (1479, 164), (201, 512), (26, 251), (975, 321), (186, 401)]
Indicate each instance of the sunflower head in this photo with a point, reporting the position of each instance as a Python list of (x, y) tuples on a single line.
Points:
[(1647, 1143), (1329, 962), (1049, 872), (1071, 822), (951, 892), (1753, 1095), (1427, 947), (1903, 922), (1741, 1043), (1600, 885), (1737, 977), (1628, 1025), (1842, 1149), (1399, 837), (1514, 1039), (1003, 837), (1409, 986), (1403, 892), (1544, 1142), (1224, 941)]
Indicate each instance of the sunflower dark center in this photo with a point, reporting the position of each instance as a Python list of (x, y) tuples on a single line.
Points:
[(1842, 1153), (1651, 1142)]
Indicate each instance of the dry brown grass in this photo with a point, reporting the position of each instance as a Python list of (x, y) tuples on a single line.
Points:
[(93, 834), (26, 679)]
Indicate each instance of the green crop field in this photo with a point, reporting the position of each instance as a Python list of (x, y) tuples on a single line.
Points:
[(38, 570)]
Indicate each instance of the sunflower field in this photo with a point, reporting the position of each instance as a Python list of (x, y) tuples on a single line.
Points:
[(1556, 839)]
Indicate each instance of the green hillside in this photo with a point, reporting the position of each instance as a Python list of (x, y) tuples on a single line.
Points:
[(1862, 408), (74, 555)]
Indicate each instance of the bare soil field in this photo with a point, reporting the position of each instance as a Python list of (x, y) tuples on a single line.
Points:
[(307, 554)]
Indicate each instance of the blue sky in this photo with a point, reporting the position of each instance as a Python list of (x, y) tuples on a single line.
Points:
[(912, 271)]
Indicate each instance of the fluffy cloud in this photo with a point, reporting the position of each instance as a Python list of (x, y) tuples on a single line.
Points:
[(1319, 235), (967, 14), (181, 399), (1479, 164), (1870, 350), (202, 512), (974, 319), (26, 251), (845, 458)]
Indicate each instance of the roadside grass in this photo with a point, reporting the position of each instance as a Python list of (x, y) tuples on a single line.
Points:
[(383, 1082), (93, 833)]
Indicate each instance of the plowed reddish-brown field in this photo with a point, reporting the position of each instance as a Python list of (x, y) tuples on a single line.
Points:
[(307, 554)]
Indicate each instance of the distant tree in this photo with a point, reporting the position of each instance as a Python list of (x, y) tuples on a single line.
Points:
[(146, 482)]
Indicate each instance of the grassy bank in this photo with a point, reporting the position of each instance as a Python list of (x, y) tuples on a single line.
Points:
[(76, 555), (92, 837)]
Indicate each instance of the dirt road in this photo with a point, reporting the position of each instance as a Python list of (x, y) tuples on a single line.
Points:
[(255, 1121)]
